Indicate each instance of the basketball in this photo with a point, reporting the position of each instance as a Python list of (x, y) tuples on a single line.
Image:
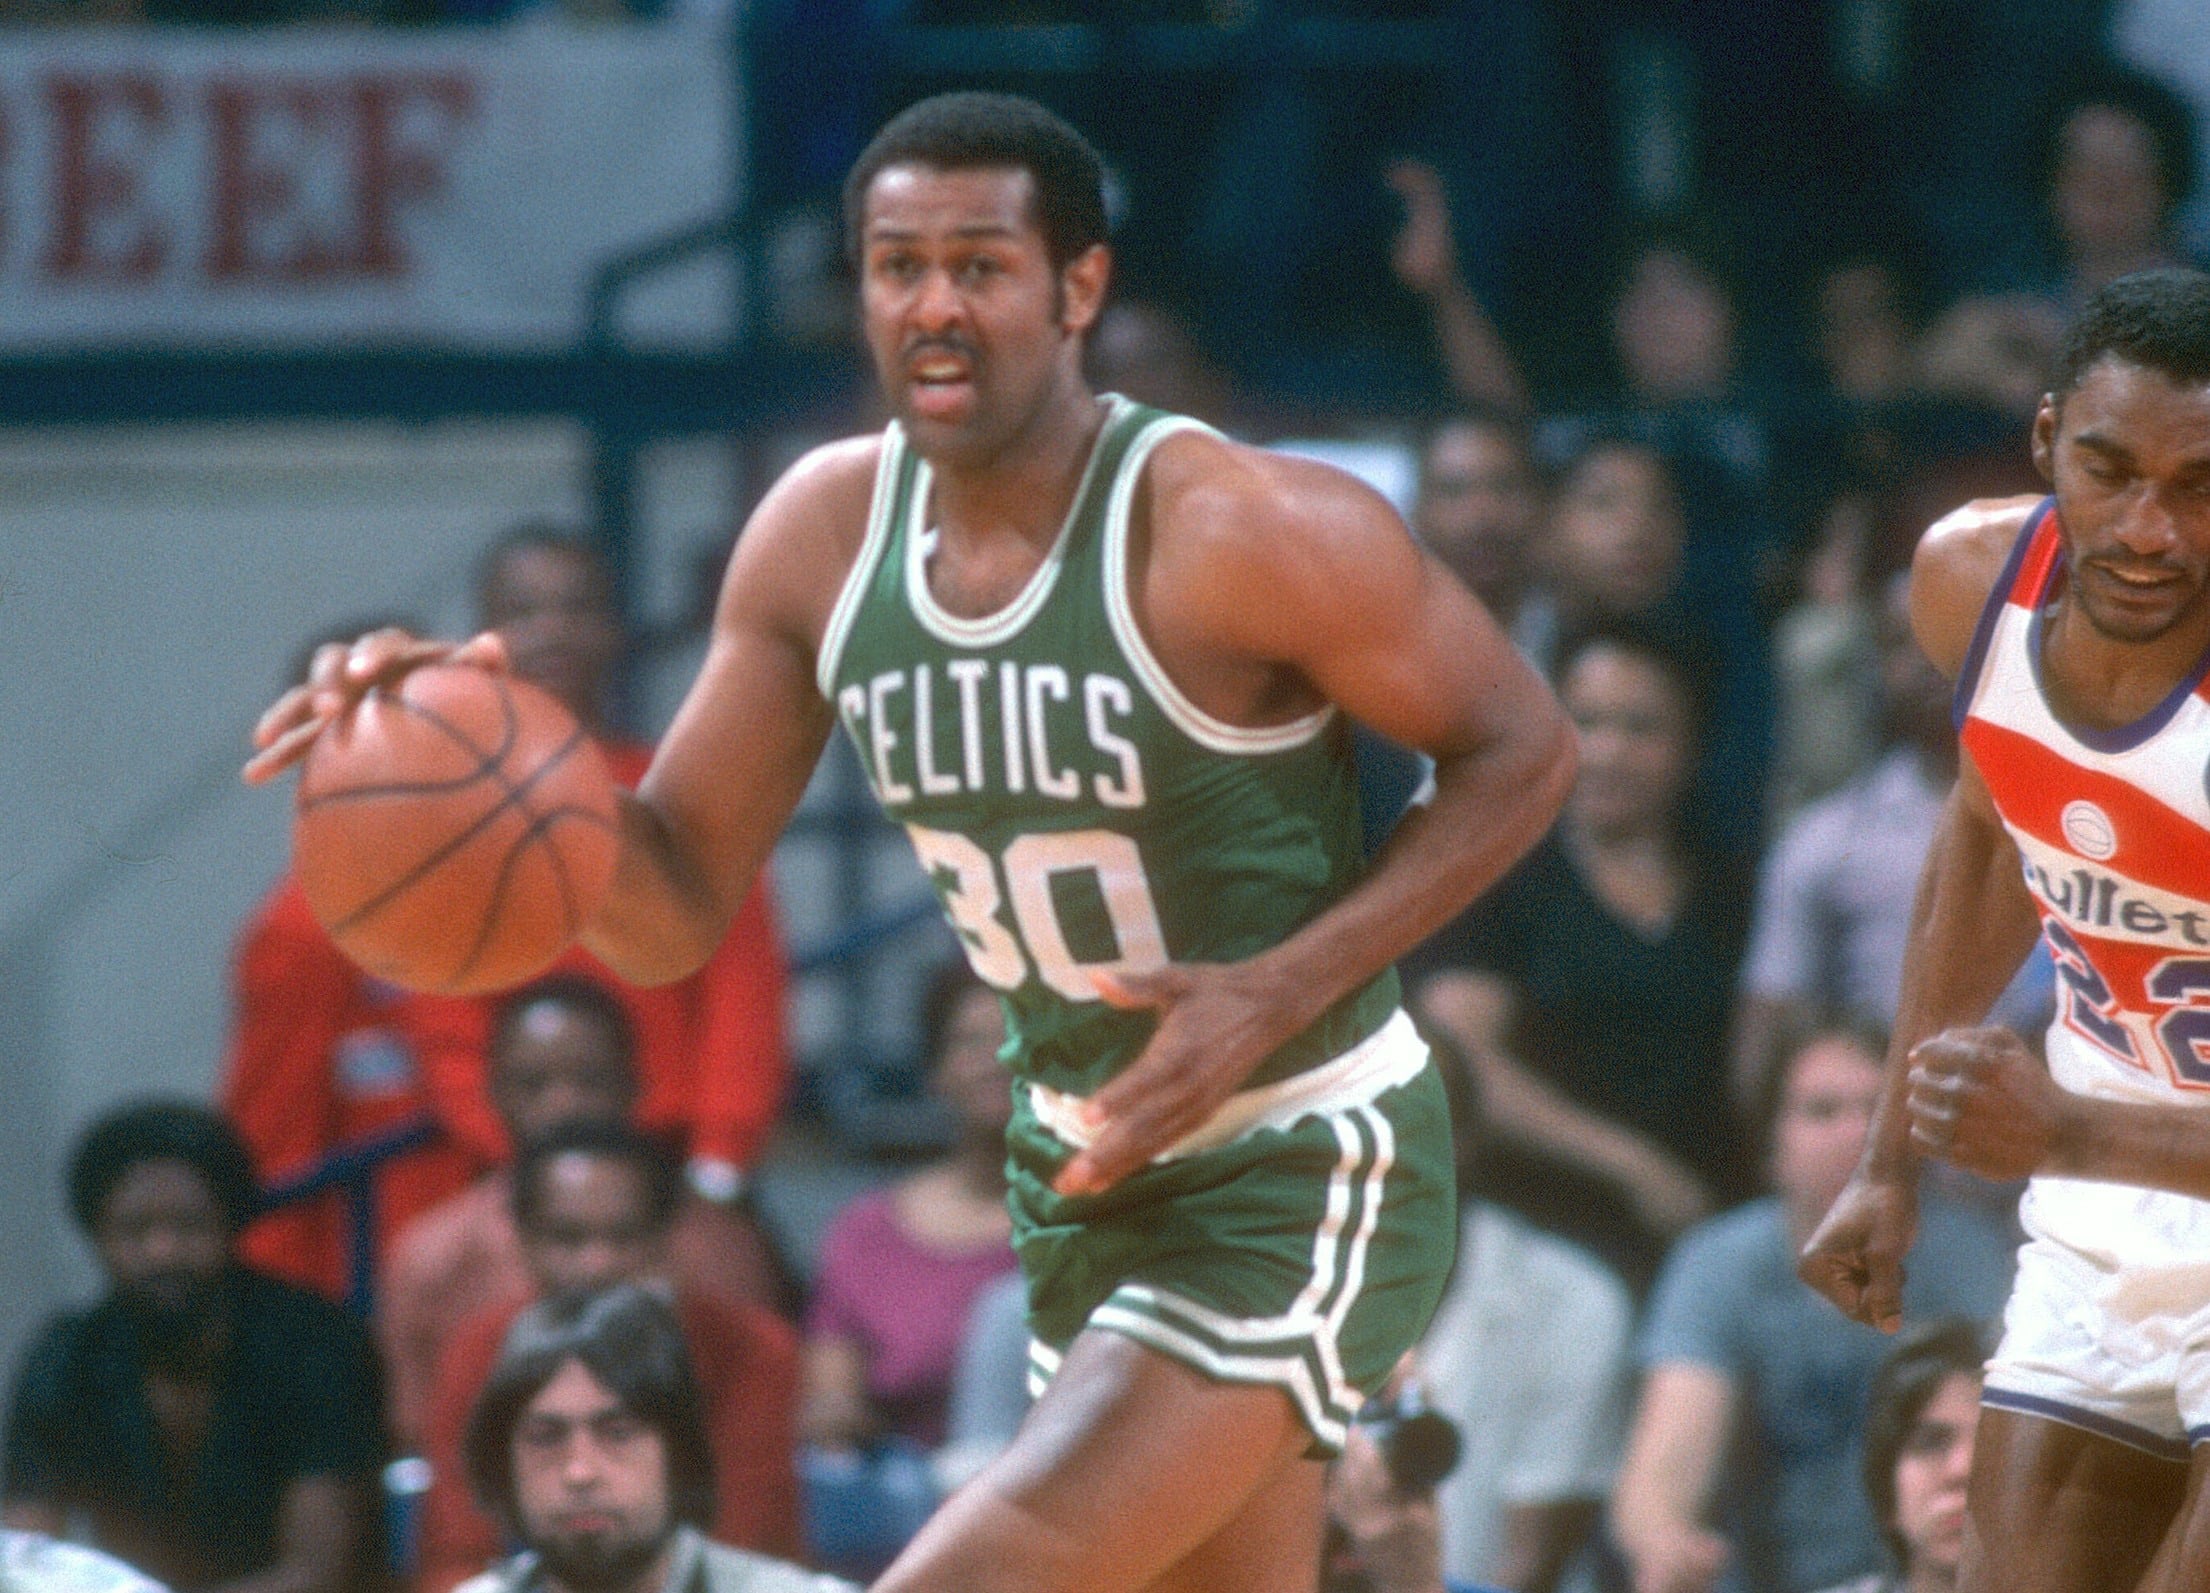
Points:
[(455, 833)]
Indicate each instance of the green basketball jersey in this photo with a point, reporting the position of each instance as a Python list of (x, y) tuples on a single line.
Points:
[(1073, 809)]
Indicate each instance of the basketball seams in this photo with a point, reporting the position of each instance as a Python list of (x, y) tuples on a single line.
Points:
[(510, 801), (488, 764), (476, 907), (571, 918)]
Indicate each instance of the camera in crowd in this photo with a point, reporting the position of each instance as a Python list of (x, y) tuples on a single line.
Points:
[(1419, 1446)]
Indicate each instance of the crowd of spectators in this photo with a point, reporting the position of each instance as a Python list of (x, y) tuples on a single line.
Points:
[(1679, 427)]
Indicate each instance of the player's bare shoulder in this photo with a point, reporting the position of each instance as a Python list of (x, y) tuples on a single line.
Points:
[(803, 538), (1219, 513), (1957, 564)]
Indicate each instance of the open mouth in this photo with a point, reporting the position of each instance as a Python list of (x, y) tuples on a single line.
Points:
[(941, 381)]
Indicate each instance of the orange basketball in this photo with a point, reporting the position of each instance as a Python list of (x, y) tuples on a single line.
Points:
[(455, 833)]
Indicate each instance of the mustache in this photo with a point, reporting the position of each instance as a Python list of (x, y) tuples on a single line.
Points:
[(954, 345)]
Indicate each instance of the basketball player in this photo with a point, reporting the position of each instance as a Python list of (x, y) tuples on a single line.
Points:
[(1099, 660), (2078, 630)]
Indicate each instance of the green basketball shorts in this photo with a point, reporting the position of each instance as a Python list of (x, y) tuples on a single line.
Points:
[(1301, 1238)]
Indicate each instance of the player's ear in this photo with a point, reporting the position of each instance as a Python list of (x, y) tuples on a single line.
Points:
[(2045, 438), (1082, 284)]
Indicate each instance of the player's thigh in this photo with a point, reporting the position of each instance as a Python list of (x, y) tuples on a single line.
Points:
[(1271, 1545), (2053, 1508), (1129, 1463)]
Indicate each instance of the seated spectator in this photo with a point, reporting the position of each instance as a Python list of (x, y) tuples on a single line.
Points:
[(1919, 1426), (1865, 324), (1743, 1451), (899, 1274), (594, 1204), (1593, 987), (1479, 508), (590, 1445), (216, 1428), (1677, 378), (1142, 350), (322, 1054), (989, 1396), (1835, 895), (2115, 152), (1825, 663), (2114, 156), (1626, 539), (1528, 1356), (710, 1049), (562, 1052), (900, 1268), (1477, 505)]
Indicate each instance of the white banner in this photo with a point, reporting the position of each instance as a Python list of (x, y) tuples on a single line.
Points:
[(348, 187)]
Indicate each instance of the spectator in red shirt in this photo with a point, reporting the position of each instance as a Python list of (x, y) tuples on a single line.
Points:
[(321, 1054), (710, 1048), (595, 1203), (562, 1052)]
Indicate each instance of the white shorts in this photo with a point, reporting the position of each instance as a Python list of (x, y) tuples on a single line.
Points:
[(2108, 1327)]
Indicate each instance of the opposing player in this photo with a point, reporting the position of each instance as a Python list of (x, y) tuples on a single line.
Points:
[(1098, 661), (2078, 630)]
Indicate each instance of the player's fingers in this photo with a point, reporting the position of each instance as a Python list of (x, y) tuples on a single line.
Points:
[(1882, 1295), (1135, 992), (1840, 1281), (484, 650), (286, 748), (1124, 1140), (326, 667), (381, 657), (293, 708)]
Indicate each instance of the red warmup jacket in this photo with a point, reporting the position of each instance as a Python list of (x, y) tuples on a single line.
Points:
[(312, 1033), (321, 1055)]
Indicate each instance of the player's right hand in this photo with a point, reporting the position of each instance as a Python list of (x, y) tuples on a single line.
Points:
[(1855, 1257), (342, 673)]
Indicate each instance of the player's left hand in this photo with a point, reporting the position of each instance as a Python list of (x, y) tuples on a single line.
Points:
[(1217, 1021), (1981, 1101)]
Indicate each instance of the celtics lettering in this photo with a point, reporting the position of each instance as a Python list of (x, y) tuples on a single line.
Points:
[(980, 726)]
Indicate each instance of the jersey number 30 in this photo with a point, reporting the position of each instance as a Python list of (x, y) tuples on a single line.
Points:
[(968, 880)]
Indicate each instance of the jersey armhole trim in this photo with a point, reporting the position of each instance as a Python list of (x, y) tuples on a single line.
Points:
[(848, 600), (1998, 598), (1215, 735)]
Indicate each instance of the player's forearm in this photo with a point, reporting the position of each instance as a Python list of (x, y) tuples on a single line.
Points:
[(1971, 926), (2155, 1147), (1490, 806), (663, 917)]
